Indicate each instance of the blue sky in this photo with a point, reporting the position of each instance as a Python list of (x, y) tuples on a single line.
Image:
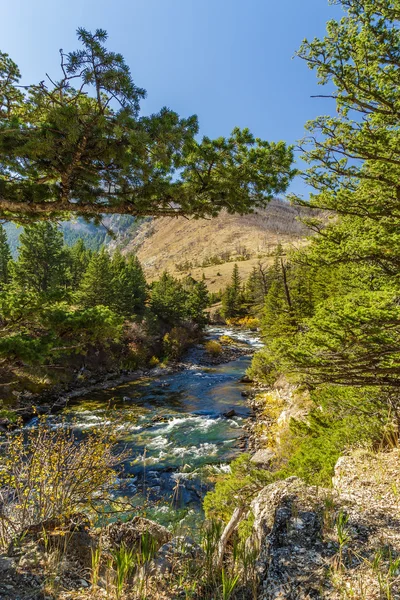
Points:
[(228, 61)]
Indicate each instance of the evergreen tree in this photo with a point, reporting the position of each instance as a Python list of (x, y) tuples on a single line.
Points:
[(81, 145), (168, 298), (232, 297), (197, 299), (129, 285), (5, 258), (41, 264), (256, 288), (78, 259), (97, 283)]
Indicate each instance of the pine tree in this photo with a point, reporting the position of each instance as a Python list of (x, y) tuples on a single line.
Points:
[(82, 146), (197, 299), (41, 261), (79, 257), (97, 283), (232, 297), (256, 288), (168, 299), (129, 285), (5, 258)]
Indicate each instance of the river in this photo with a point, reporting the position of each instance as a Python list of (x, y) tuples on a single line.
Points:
[(175, 431)]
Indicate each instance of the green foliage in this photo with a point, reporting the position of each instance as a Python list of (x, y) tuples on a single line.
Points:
[(41, 263), (129, 289), (5, 258), (78, 261), (331, 316), (256, 289), (97, 282), (343, 418), (110, 159), (174, 302), (79, 328), (235, 489), (167, 300), (232, 297)]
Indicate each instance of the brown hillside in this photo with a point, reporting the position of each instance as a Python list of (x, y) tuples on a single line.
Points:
[(184, 246)]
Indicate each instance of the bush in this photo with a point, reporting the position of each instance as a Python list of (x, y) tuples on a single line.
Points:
[(154, 361), (263, 368), (175, 342), (312, 447), (46, 475), (213, 348), (236, 488)]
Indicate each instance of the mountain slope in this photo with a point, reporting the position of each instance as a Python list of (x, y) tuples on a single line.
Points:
[(194, 246)]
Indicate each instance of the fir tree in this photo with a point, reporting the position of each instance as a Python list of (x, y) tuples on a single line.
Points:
[(41, 261), (197, 299), (97, 283), (256, 288), (232, 297), (168, 299), (79, 257), (5, 258), (129, 285)]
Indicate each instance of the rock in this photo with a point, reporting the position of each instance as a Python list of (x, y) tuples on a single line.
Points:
[(130, 533), (229, 413), (170, 554), (72, 536), (288, 527), (246, 379), (6, 564), (263, 458)]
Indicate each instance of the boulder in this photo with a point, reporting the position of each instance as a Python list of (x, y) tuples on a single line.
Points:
[(288, 525), (130, 533), (172, 553), (229, 413), (263, 458)]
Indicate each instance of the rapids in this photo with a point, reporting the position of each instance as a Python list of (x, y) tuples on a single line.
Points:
[(174, 429)]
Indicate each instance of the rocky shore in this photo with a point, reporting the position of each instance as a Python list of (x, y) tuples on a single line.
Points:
[(28, 405)]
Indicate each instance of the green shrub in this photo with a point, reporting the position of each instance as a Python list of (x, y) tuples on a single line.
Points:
[(175, 342), (154, 361), (314, 446), (238, 487), (214, 348)]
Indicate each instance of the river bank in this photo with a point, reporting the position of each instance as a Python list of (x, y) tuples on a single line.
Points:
[(27, 404)]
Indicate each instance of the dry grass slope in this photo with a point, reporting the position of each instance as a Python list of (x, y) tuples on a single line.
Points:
[(182, 246)]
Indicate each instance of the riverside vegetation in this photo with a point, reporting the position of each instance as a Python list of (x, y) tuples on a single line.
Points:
[(329, 317), (67, 311)]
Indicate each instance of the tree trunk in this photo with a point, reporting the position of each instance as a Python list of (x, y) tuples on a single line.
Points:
[(226, 534)]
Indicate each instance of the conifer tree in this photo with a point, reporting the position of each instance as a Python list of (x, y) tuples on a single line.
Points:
[(78, 143), (129, 285), (197, 299), (5, 258), (79, 257), (256, 288), (41, 261), (232, 297), (168, 299), (97, 283)]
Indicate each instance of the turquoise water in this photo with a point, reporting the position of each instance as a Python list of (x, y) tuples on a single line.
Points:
[(174, 430)]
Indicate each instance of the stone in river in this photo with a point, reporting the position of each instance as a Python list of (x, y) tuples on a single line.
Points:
[(229, 413)]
